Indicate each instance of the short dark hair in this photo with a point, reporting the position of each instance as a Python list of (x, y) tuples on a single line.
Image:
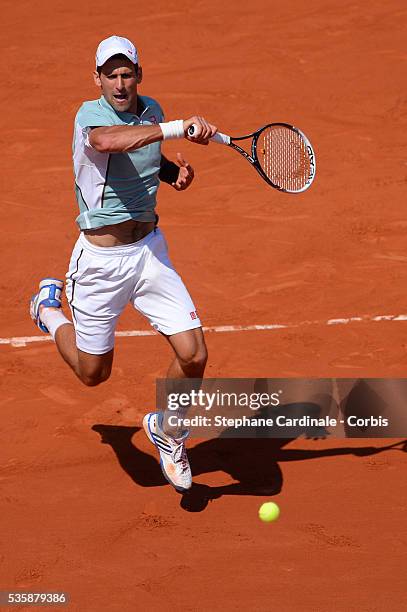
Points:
[(117, 56)]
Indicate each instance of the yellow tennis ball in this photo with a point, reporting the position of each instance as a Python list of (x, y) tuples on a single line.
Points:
[(268, 512)]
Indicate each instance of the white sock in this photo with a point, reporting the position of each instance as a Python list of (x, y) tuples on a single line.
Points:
[(53, 319)]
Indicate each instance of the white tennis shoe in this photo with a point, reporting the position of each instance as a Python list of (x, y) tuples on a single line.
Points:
[(49, 295), (173, 455)]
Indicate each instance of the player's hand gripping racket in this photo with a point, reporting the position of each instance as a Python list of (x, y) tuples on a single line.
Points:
[(281, 154)]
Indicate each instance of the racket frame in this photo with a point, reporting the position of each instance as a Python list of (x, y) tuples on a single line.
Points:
[(253, 158)]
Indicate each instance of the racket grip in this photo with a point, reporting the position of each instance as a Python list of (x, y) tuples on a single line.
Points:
[(218, 137)]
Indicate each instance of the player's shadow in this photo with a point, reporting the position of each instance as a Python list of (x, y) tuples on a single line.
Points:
[(252, 462)]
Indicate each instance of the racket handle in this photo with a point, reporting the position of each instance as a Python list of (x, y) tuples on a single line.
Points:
[(219, 137)]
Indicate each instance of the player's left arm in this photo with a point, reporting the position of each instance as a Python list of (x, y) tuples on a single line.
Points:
[(179, 175)]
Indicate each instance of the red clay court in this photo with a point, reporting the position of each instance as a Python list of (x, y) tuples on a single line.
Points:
[(83, 506)]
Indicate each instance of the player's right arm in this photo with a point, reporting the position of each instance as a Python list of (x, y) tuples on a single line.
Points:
[(125, 138)]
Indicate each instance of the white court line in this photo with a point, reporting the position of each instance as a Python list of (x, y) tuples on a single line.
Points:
[(24, 340)]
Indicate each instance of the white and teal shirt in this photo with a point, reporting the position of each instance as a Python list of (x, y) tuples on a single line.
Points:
[(115, 187)]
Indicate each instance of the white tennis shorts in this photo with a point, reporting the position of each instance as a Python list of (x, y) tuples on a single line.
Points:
[(101, 281)]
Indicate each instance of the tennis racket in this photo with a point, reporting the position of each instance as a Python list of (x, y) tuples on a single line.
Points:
[(281, 154)]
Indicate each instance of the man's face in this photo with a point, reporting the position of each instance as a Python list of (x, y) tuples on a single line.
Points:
[(118, 81)]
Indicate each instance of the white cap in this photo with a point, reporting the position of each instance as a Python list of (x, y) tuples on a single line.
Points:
[(115, 45)]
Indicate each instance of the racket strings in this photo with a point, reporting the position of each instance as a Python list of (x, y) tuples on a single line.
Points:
[(284, 158)]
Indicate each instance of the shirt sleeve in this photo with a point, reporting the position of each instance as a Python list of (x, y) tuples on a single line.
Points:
[(89, 116), (92, 115)]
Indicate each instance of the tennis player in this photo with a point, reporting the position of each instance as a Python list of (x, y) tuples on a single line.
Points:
[(121, 255)]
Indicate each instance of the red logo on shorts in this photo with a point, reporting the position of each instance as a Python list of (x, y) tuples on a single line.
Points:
[(194, 315)]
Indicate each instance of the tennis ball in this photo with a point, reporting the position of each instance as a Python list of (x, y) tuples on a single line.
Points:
[(268, 512)]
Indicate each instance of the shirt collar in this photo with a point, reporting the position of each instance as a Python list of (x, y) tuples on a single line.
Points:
[(141, 108)]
